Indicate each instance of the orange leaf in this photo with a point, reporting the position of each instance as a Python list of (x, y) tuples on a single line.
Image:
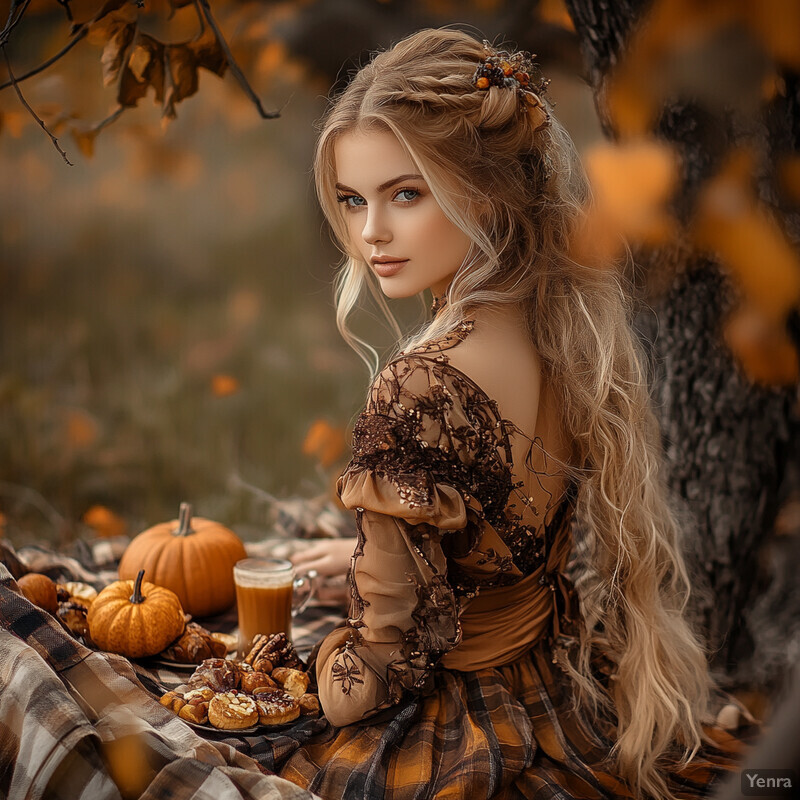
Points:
[(119, 35), (224, 385), (85, 140), (81, 427), (762, 347), (324, 441), (733, 223), (13, 122), (789, 178), (632, 184), (777, 23), (105, 522), (555, 12)]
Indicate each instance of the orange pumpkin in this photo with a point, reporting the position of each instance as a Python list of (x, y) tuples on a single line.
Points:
[(134, 618), (192, 557), (40, 590)]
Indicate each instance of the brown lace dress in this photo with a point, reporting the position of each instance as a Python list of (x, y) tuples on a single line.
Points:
[(445, 682)]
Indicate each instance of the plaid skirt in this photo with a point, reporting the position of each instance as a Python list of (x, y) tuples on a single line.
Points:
[(507, 732)]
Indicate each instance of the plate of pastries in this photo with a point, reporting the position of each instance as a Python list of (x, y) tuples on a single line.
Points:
[(268, 688)]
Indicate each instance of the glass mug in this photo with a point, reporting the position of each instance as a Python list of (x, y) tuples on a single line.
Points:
[(266, 598)]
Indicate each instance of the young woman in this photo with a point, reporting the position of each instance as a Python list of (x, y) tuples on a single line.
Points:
[(469, 667)]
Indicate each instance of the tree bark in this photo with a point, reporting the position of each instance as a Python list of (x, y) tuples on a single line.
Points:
[(728, 444)]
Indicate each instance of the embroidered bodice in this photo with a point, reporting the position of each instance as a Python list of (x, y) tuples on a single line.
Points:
[(454, 545)]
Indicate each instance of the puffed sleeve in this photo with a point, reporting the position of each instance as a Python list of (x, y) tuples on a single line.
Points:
[(407, 484)]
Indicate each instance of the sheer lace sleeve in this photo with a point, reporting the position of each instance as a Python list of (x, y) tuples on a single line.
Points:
[(415, 456)]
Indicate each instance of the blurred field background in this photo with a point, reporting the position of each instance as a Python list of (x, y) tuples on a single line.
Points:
[(166, 317)]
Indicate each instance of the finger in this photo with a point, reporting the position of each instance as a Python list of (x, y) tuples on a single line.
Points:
[(306, 555)]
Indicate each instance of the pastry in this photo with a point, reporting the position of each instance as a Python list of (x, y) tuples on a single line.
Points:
[(292, 680), (195, 710), (254, 681), (202, 693), (194, 646), (232, 711), (219, 674), (174, 701), (309, 704), (269, 652), (80, 592), (276, 707), (228, 639)]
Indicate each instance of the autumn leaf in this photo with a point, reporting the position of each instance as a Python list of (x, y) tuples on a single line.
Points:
[(224, 385), (144, 68), (324, 441), (777, 24), (105, 523), (81, 429), (789, 178), (762, 347), (631, 183), (209, 54), (555, 12), (733, 223), (182, 62), (13, 122), (115, 32), (85, 140)]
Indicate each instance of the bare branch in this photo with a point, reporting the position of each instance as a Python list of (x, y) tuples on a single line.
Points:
[(12, 20), (32, 112), (79, 34), (206, 11)]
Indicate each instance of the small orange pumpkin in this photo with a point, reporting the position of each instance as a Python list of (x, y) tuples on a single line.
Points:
[(135, 619), (193, 557), (40, 590)]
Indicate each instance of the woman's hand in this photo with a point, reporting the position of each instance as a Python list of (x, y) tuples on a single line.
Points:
[(329, 557)]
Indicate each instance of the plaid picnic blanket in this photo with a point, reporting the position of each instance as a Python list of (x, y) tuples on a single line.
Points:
[(79, 724)]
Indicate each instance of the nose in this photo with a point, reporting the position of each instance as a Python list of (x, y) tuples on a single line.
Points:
[(376, 227)]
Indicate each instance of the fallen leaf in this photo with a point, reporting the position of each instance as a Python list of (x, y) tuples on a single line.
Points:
[(105, 523)]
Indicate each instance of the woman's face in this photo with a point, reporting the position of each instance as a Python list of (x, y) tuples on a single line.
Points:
[(394, 222)]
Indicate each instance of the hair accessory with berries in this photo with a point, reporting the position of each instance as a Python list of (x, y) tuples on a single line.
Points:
[(515, 71)]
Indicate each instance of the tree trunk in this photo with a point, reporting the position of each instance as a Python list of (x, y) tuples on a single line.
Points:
[(728, 444)]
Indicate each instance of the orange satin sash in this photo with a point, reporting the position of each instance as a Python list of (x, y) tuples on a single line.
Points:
[(503, 623)]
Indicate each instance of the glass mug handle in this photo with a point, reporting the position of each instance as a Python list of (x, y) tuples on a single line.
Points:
[(309, 581)]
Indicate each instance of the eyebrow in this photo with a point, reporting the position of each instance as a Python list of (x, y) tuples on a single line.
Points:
[(387, 185)]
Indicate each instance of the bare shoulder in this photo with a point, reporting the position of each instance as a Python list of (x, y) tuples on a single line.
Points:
[(499, 356)]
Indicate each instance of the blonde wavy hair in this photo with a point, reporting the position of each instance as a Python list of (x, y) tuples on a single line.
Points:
[(520, 194)]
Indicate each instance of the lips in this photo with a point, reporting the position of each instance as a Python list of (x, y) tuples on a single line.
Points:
[(386, 266)]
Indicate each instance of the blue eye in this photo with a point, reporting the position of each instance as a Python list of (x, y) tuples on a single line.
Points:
[(407, 195), (351, 200)]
